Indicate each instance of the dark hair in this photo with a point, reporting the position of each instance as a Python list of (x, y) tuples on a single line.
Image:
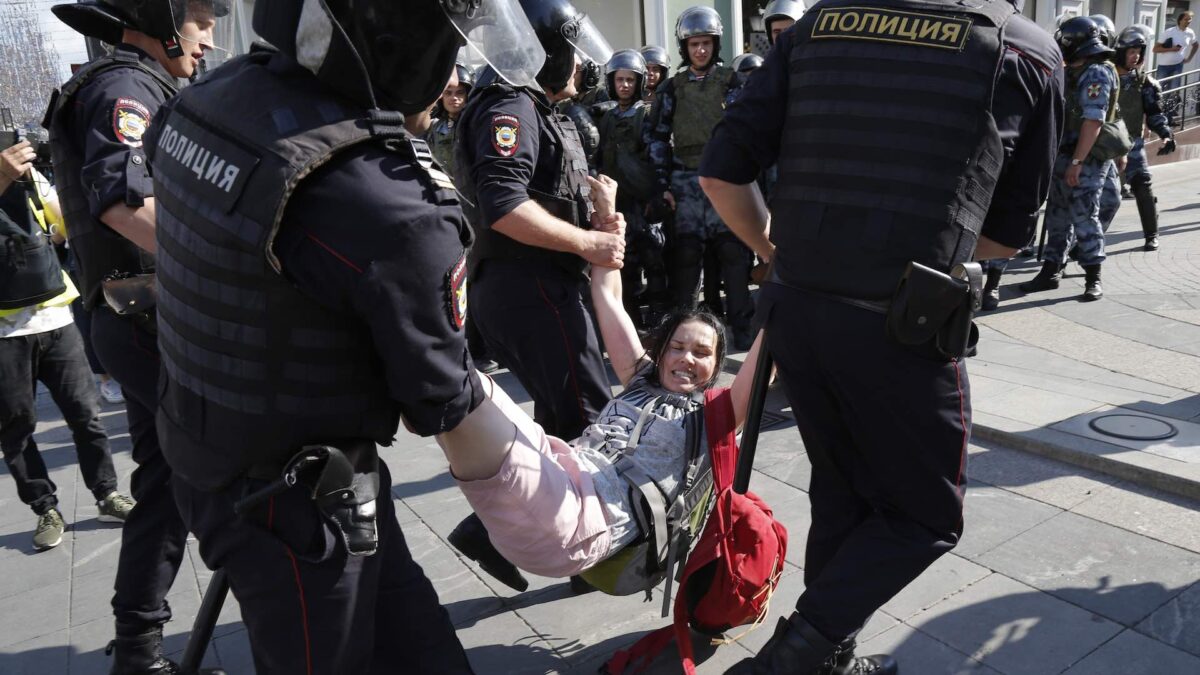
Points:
[(661, 336)]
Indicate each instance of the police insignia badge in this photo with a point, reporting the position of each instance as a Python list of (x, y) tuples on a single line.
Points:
[(130, 121), (506, 131), (456, 292), (1093, 90)]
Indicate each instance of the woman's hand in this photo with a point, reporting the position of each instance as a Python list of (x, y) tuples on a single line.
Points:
[(604, 195)]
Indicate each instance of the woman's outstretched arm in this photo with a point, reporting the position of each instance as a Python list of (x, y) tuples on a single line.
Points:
[(476, 448), (625, 349), (743, 382)]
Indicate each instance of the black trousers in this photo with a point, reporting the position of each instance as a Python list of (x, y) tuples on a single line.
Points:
[(886, 430), (734, 261), (153, 538), (307, 605), (535, 319), (56, 359)]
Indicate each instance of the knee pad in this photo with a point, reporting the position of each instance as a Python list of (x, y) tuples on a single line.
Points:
[(1142, 180), (731, 250), (689, 251)]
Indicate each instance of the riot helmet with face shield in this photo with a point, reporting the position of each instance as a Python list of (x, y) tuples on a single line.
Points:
[(568, 36), (398, 56), (1079, 38), (697, 22)]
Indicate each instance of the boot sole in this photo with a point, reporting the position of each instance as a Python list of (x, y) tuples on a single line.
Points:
[(47, 547)]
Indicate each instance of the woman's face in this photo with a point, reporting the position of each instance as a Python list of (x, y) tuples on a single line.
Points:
[(689, 359)]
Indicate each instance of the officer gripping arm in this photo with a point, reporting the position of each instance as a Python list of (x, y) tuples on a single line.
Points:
[(506, 151)]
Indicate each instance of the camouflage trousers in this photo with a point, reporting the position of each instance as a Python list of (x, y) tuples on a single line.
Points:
[(694, 214), (1073, 213), (1110, 197)]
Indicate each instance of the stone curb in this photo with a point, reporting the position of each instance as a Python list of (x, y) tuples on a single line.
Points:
[(1056, 445)]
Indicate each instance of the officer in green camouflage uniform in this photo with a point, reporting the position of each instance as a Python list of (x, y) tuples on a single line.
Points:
[(440, 136), (622, 157), (686, 108)]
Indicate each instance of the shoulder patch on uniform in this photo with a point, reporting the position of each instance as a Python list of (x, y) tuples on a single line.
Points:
[(1093, 90), (890, 25), (456, 292), (130, 121), (506, 134)]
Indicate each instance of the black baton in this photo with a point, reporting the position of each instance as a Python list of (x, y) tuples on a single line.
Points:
[(754, 411)]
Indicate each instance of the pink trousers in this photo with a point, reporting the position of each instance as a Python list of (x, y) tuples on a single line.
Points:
[(541, 509)]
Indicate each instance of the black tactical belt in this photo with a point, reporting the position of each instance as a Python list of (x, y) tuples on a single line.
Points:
[(877, 306)]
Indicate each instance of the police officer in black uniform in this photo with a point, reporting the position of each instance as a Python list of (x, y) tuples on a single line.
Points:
[(293, 343), (521, 164), (886, 426), (97, 123)]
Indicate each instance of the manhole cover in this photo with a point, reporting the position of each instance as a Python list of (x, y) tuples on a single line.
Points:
[(1133, 427)]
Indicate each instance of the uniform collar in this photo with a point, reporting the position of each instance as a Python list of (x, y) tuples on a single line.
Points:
[(631, 110), (146, 59)]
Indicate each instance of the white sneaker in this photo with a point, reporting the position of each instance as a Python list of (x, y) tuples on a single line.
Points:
[(110, 391)]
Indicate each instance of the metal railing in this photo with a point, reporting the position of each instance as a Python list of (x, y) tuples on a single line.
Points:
[(1181, 99)]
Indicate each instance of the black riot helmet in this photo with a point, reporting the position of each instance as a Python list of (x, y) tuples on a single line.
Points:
[(626, 59), (1108, 30), (781, 9), (697, 21), (657, 57), (1132, 38), (466, 76), (1079, 38), (564, 32), (106, 20), (745, 63), (397, 55)]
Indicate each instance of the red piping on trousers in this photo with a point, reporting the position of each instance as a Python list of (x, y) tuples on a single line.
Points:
[(962, 419), (299, 590), (567, 342)]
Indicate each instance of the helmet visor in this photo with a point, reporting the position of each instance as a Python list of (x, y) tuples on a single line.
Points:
[(587, 40), (499, 33)]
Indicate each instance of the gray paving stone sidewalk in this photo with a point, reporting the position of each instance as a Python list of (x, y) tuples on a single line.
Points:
[(1049, 365), (1062, 569)]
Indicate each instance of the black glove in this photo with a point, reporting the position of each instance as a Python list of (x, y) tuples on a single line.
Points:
[(1168, 146)]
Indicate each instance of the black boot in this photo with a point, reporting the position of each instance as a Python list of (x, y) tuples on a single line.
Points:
[(139, 653), (471, 539), (1091, 284), (846, 663), (991, 290), (1045, 280), (796, 647), (1147, 206)]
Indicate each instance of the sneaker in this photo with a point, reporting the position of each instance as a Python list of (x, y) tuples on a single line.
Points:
[(49, 531), (110, 391), (114, 508)]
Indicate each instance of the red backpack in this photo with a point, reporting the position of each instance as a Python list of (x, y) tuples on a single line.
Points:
[(736, 564)]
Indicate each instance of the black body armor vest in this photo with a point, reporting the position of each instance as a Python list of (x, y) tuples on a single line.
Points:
[(569, 199), (99, 250), (254, 369), (890, 153)]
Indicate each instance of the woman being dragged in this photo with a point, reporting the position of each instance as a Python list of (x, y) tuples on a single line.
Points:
[(555, 507)]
